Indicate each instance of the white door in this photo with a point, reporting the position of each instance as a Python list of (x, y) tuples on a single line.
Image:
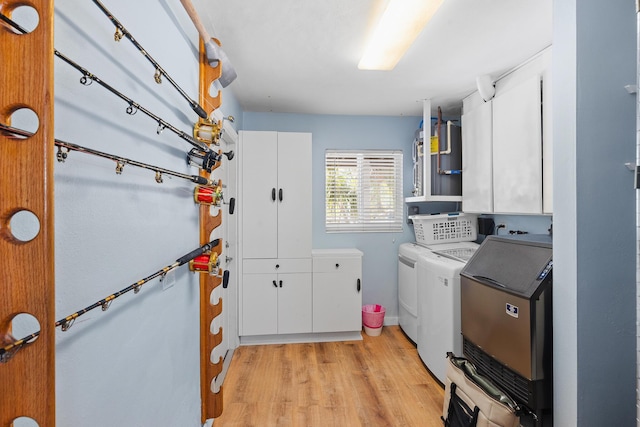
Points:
[(477, 159), (294, 303), (229, 258), (337, 295), (259, 194), (259, 304), (294, 195), (517, 149)]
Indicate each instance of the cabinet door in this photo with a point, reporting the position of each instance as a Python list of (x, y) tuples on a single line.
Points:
[(517, 149), (259, 194), (259, 304), (477, 175), (294, 195), (294, 303), (337, 295)]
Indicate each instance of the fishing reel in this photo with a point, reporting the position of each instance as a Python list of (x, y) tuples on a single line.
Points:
[(205, 263), (207, 131), (206, 160), (207, 195)]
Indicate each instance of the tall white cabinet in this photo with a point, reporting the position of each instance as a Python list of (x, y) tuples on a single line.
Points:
[(275, 209)]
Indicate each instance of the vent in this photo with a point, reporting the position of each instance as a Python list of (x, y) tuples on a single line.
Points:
[(518, 387)]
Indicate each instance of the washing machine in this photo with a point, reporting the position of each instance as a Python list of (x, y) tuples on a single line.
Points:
[(439, 329), (408, 254), (431, 232)]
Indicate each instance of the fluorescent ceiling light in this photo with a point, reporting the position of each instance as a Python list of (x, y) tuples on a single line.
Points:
[(399, 26)]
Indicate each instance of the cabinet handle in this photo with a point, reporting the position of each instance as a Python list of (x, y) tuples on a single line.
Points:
[(280, 194), (337, 265), (275, 284), (273, 194), (225, 279), (359, 286), (280, 283), (232, 205)]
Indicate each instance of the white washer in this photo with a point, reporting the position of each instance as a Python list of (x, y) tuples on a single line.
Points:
[(439, 303), (408, 254)]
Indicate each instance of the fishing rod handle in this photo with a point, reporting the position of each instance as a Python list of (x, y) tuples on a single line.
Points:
[(201, 180), (191, 11), (194, 253)]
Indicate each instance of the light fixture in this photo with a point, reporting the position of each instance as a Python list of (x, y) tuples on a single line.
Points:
[(399, 26), (486, 87)]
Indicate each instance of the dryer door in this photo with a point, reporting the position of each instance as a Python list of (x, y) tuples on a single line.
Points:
[(408, 296)]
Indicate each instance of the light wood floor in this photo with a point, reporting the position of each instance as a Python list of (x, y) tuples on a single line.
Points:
[(379, 381)]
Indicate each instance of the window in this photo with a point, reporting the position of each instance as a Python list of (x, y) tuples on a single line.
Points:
[(363, 191)]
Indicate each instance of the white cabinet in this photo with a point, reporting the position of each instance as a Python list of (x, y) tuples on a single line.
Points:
[(477, 159), (337, 290), (517, 149), (507, 143), (276, 194), (275, 233), (276, 297)]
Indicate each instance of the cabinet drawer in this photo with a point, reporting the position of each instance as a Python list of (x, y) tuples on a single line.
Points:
[(276, 265), (336, 265)]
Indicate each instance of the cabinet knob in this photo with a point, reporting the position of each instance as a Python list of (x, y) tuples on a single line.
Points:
[(277, 265), (337, 265)]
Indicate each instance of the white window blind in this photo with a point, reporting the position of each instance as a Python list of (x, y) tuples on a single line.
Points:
[(363, 191)]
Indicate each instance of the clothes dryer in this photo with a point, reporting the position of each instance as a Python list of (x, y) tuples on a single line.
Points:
[(408, 254)]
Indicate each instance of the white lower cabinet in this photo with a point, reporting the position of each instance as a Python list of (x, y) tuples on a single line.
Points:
[(276, 296), (337, 290)]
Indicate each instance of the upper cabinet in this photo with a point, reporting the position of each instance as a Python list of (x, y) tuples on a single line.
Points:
[(477, 160), (507, 147), (517, 149), (276, 189)]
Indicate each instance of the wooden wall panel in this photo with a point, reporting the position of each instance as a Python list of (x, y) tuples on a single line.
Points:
[(27, 379), (211, 402)]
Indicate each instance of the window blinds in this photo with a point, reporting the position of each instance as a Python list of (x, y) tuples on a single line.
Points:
[(363, 191)]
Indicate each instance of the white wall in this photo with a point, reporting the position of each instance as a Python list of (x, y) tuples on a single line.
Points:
[(136, 364)]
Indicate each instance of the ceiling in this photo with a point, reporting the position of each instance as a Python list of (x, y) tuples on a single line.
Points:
[(301, 56)]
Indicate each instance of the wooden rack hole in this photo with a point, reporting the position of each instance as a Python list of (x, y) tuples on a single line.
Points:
[(26, 17), (25, 119), (24, 225), (25, 422)]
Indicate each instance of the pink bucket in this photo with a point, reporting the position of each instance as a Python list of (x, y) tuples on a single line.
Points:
[(373, 315)]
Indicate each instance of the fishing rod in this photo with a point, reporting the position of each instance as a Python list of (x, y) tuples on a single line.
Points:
[(120, 161), (202, 156), (122, 31), (87, 78), (65, 323)]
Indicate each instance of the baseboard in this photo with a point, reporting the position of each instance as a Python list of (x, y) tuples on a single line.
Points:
[(391, 321), (301, 338)]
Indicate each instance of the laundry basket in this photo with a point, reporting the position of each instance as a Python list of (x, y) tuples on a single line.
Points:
[(372, 319)]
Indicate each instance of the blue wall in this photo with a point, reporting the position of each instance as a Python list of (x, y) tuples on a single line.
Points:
[(594, 203), (353, 132), (380, 266)]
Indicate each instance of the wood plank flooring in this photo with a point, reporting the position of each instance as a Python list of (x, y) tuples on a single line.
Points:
[(379, 381)]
